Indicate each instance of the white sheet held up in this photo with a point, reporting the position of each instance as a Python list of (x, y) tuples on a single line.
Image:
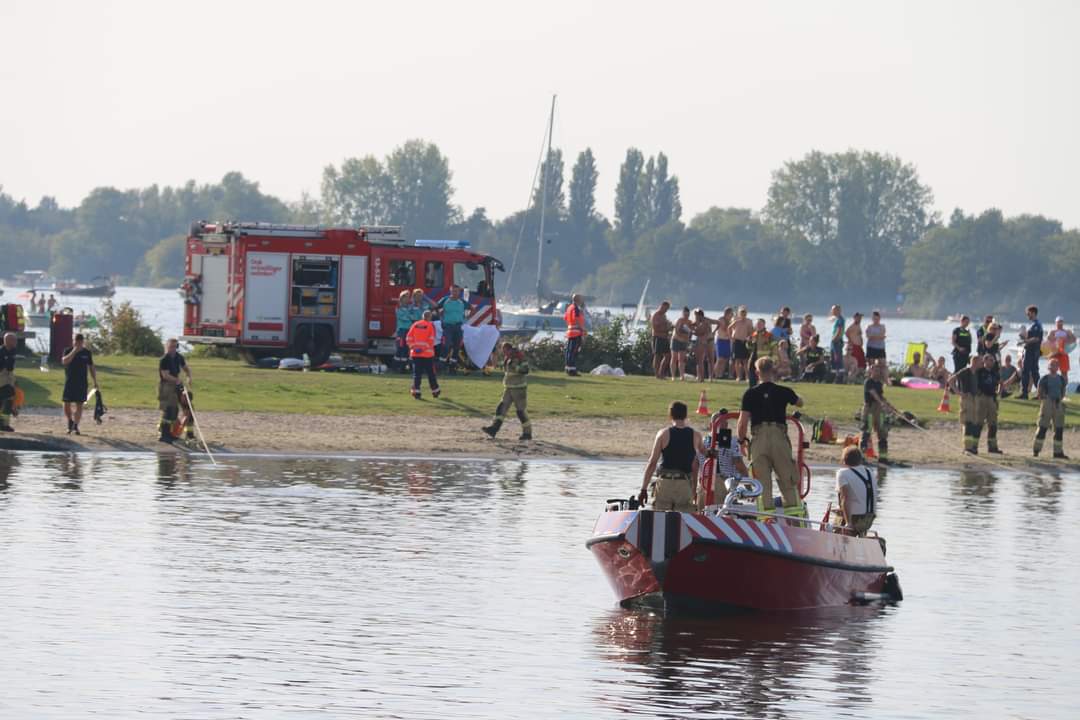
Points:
[(479, 342)]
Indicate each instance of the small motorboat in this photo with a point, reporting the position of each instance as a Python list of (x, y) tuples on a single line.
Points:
[(733, 557), (98, 287)]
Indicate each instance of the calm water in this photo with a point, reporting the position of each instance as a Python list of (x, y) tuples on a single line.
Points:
[(166, 587)]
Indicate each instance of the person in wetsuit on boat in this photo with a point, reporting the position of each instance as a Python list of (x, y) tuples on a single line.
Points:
[(676, 449)]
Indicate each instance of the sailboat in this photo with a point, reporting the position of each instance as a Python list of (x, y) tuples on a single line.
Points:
[(544, 317)]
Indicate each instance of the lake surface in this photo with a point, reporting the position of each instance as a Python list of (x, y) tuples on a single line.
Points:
[(163, 586)]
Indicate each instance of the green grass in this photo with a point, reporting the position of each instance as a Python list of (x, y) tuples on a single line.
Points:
[(231, 385)]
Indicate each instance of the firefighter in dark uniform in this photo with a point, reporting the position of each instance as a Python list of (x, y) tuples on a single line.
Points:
[(676, 449), (961, 343), (7, 381), (515, 392), (764, 414), (171, 393), (987, 385), (963, 384)]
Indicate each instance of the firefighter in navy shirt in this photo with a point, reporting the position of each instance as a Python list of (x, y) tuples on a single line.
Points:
[(1032, 337)]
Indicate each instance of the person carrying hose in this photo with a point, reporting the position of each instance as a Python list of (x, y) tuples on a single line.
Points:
[(171, 393), (764, 415), (873, 404), (1051, 392), (515, 392)]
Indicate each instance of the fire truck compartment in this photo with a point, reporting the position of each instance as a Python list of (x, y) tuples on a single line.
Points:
[(265, 297), (215, 273)]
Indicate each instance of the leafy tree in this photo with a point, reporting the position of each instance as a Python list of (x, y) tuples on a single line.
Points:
[(552, 168), (358, 194), (628, 198), (858, 210), (411, 188), (583, 177)]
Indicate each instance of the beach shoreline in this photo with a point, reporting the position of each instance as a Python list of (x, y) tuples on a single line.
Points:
[(412, 437)]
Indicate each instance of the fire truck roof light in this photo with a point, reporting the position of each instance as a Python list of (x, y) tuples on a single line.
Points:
[(444, 244)]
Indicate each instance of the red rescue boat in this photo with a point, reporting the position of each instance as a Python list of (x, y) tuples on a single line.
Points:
[(733, 557)]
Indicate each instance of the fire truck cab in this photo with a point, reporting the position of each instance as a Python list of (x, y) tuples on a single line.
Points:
[(287, 290)]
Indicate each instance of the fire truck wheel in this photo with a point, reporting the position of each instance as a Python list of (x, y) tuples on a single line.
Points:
[(315, 340)]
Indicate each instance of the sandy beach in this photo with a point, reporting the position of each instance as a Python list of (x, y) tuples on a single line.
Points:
[(589, 439)]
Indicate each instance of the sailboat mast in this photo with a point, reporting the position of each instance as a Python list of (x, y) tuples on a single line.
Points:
[(543, 207)]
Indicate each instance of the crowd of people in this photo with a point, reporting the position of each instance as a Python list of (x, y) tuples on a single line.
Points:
[(726, 348)]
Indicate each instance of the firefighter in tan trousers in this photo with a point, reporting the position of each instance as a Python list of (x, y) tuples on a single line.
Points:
[(764, 414), (1051, 389), (515, 392)]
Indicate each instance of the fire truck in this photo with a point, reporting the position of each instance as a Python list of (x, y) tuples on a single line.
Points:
[(289, 290)]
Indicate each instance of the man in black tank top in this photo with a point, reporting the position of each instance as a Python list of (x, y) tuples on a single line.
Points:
[(676, 450)]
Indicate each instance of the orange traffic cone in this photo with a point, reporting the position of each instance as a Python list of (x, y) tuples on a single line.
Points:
[(943, 406), (869, 453), (702, 405)]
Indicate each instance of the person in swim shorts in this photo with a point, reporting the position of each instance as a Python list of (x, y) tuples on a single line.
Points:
[(741, 328), (723, 344), (680, 344), (661, 340)]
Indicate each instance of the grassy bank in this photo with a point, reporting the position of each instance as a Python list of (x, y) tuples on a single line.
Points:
[(230, 385)]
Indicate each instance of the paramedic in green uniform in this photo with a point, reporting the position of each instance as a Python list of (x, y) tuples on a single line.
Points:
[(453, 317)]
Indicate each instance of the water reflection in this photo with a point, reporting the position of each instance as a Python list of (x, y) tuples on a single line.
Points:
[(9, 463), (69, 467), (747, 665)]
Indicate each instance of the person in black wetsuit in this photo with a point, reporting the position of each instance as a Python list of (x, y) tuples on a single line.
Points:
[(961, 343), (78, 362), (676, 449)]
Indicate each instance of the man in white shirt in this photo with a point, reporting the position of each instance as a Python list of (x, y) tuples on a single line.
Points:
[(856, 490), (729, 461)]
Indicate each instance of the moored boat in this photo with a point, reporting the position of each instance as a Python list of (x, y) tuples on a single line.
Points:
[(734, 557)]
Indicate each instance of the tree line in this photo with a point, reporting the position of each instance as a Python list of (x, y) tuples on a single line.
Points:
[(850, 227)]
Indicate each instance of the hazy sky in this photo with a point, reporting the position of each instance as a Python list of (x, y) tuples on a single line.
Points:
[(981, 96)]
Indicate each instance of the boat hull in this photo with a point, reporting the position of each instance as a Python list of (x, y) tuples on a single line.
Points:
[(708, 563), (97, 291)]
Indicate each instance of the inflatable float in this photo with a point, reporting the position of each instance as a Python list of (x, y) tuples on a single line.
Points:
[(917, 383)]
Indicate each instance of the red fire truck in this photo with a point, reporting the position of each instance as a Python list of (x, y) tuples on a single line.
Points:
[(294, 289)]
